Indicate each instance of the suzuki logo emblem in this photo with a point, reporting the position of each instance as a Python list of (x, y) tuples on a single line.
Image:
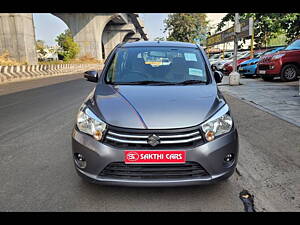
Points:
[(153, 140)]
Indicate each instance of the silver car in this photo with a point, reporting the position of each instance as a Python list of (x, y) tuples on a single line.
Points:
[(150, 123)]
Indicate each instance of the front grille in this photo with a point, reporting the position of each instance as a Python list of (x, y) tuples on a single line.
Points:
[(120, 170), (130, 138), (263, 67), (265, 59)]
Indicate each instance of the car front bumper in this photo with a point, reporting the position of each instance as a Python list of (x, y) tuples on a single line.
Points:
[(248, 70), (272, 68), (209, 155)]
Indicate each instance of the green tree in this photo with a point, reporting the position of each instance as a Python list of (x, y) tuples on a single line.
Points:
[(186, 27), (40, 46), (268, 26), (280, 39), (290, 23), (68, 48)]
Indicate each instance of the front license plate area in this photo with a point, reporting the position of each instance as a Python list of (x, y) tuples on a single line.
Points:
[(152, 157), (262, 72)]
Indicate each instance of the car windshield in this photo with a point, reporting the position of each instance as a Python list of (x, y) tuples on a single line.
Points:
[(156, 65), (267, 52), (227, 55), (216, 56), (244, 55), (258, 54), (294, 46)]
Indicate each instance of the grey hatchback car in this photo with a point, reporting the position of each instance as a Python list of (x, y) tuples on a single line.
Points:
[(155, 118)]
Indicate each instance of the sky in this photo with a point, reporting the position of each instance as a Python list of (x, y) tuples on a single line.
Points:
[(47, 26), (154, 24)]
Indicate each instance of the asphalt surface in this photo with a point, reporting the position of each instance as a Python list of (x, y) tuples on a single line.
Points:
[(37, 171)]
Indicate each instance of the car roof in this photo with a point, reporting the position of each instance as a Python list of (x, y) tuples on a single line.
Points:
[(159, 44)]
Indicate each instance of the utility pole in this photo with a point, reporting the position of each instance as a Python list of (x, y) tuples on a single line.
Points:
[(252, 37), (234, 76)]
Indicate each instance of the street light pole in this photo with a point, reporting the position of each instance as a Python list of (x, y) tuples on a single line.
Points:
[(236, 30), (234, 76)]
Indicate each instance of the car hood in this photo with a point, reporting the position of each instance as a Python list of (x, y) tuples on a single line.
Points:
[(250, 61), (269, 57), (156, 107), (292, 51)]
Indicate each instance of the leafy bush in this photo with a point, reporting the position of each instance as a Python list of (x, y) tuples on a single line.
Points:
[(68, 48)]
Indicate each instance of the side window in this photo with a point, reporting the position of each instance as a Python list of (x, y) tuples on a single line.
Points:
[(123, 56), (117, 66), (111, 70), (110, 54)]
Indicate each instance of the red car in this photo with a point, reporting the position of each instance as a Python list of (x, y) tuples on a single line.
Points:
[(284, 64), (228, 67)]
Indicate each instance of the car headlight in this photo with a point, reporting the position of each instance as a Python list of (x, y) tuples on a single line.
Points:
[(220, 123), (89, 123), (278, 56), (252, 63)]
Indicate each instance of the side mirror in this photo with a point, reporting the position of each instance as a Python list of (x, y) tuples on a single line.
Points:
[(218, 76), (213, 68), (91, 75)]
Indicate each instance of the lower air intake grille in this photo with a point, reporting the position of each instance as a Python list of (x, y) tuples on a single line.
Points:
[(120, 170), (263, 67)]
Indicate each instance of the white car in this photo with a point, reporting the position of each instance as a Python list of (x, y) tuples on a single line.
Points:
[(214, 58), (220, 64)]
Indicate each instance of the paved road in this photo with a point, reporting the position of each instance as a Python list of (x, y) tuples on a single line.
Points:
[(37, 172)]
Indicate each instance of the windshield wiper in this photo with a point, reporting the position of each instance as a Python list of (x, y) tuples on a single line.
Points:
[(192, 82), (141, 82), (149, 82)]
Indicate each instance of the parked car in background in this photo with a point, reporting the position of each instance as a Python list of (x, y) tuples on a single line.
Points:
[(220, 63), (228, 67), (284, 64), (248, 68), (220, 57), (227, 55), (214, 57)]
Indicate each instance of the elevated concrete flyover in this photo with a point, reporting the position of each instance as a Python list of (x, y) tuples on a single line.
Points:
[(96, 33), (115, 34)]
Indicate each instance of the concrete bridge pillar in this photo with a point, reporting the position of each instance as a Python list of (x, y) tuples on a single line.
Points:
[(115, 34), (87, 29), (17, 36)]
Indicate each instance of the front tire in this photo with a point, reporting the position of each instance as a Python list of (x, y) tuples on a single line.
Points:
[(288, 73)]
